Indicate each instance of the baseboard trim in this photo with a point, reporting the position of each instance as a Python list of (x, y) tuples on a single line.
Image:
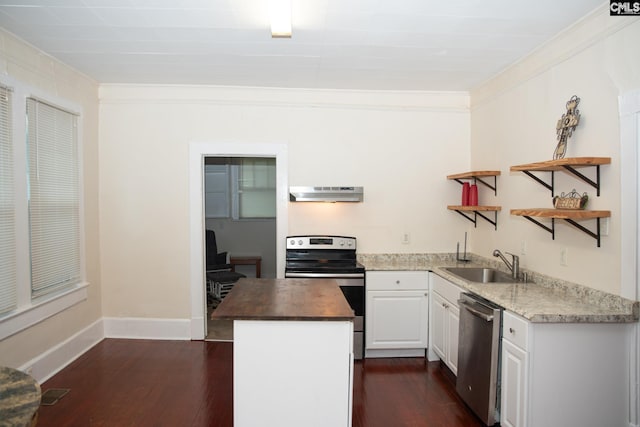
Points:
[(147, 328), (197, 328), (382, 353), (58, 357)]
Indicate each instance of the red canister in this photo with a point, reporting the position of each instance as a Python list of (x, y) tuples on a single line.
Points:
[(465, 194), (473, 195)]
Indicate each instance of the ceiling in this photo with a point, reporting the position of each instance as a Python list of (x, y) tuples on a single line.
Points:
[(443, 45)]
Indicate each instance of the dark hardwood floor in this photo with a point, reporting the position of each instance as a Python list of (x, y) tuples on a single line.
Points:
[(189, 383)]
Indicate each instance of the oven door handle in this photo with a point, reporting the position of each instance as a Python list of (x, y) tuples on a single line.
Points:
[(322, 275)]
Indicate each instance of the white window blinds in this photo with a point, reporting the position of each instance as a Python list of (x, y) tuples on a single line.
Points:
[(54, 199), (7, 210), (257, 188)]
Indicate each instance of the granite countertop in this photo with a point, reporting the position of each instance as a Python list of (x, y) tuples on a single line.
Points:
[(547, 300), (285, 299), (19, 397)]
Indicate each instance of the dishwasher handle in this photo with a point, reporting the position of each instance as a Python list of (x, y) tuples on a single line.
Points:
[(475, 312)]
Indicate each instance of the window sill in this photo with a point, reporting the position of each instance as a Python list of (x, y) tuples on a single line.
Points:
[(24, 317)]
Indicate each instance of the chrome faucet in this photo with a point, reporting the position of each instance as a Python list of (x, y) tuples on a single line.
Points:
[(514, 266)]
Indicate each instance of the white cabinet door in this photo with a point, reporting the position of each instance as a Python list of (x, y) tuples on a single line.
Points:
[(444, 322), (438, 325), (445, 319), (514, 381), (452, 324), (397, 319)]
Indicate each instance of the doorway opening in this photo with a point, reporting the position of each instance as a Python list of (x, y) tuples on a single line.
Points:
[(198, 152), (240, 222)]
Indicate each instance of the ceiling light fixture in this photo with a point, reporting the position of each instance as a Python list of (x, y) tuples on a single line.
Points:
[(280, 13)]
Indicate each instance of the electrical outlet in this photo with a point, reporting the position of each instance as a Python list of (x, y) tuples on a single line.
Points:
[(564, 257), (523, 247), (405, 238)]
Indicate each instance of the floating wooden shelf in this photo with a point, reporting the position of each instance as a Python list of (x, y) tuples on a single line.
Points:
[(473, 174), (569, 215), (477, 176), (477, 211), (576, 214), (569, 165), (559, 164)]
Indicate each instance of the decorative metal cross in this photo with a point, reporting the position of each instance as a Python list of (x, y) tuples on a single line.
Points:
[(566, 125)]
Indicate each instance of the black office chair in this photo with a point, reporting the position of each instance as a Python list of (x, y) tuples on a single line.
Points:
[(220, 278)]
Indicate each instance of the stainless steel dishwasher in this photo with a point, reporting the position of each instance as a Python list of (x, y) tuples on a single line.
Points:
[(479, 356)]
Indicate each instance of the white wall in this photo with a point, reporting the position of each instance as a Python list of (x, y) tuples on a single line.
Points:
[(34, 69), (513, 122), (399, 146)]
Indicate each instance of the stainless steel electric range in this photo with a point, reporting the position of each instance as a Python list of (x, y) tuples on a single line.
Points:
[(332, 257)]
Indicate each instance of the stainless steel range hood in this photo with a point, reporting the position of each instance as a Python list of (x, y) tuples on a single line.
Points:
[(326, 194)]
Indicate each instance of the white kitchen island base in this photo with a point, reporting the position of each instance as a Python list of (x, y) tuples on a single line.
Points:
[(292, 373)]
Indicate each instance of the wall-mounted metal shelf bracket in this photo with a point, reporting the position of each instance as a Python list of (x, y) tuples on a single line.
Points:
[(551, 229), (476, 179), (569, 168), (539, 180), (595, 184), (482, 177), (596, 235), (477, 214)]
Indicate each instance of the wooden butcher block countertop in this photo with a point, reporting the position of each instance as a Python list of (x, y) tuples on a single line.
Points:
[(285, 299)]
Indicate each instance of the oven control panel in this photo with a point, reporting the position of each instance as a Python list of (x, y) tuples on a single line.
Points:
[(321, 242)]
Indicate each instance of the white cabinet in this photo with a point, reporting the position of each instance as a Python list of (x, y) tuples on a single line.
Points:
[(515, 372), (397, 319), (396, 313), (451, 332), (564, 374), (444, 321), (437, 322), (290, 373)]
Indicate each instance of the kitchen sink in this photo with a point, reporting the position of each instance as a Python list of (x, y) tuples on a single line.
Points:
[(480, 274)]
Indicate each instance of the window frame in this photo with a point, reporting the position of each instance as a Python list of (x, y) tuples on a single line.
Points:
[(31, 311)]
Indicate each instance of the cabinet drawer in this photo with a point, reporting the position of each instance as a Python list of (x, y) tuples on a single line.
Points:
[(515, 329), (445, 288), (397, 280)]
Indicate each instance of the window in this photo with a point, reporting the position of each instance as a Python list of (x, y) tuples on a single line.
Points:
[(240, 188), (41, 215), (216, 184), (7, 207), (257, 188), (54, 203)]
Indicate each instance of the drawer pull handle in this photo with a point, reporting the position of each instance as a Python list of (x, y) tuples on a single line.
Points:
[(397, 282), (512, 331)]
